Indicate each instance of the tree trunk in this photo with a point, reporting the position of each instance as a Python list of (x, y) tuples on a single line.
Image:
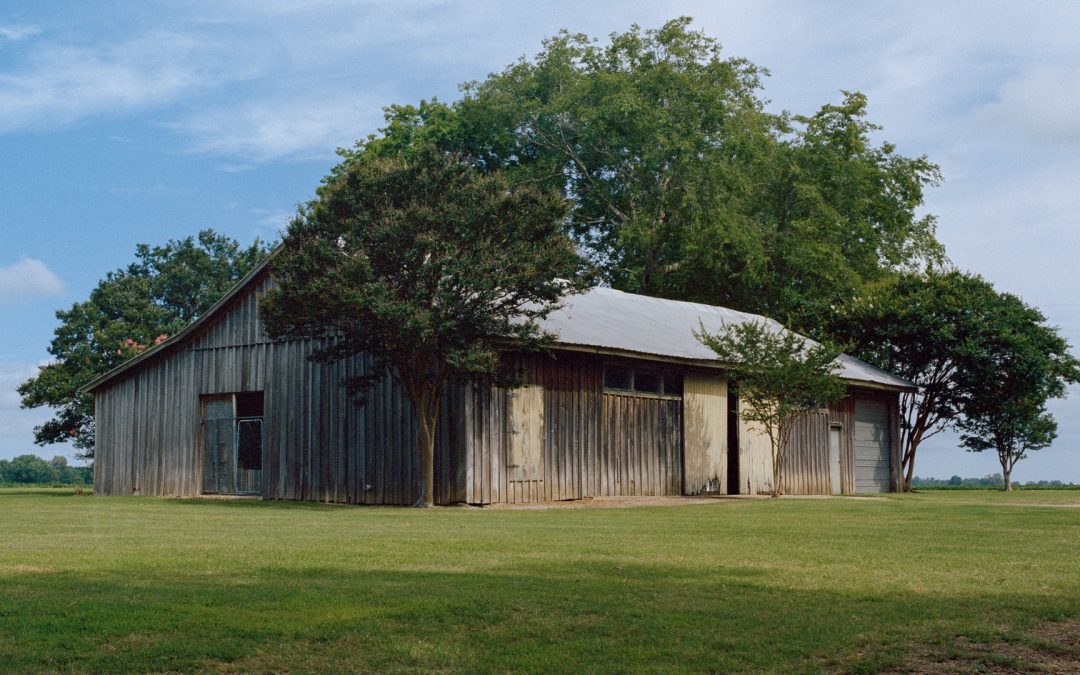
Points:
[(425, 447), (908, 464), (778, 471), (1006, 471)]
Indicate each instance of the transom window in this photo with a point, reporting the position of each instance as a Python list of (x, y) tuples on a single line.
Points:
[(644, 380)]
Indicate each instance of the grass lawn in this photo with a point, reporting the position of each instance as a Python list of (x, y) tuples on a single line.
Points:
[(143, 584)]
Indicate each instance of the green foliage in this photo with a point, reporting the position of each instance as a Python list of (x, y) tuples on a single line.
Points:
[(780, 375), (33, 470), (426, 265), (989, 480), (130, 309), (1025, 364), (28, 469), (681, 184), (965, 345), (995, 481)]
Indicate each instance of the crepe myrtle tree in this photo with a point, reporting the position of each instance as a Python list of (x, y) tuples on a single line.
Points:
[(970, 350), (429, 267), (1011, 430), (782, 376), (1024, 364)]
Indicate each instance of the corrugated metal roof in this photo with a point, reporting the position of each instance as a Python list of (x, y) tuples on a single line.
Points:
[(607, 319), (601, 318)]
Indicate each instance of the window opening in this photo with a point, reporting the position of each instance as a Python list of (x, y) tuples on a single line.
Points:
[(647, 382), (618, 378), (642, 381)]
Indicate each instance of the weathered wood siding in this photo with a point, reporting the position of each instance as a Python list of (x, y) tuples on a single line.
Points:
[(807, 468), (755, 457), (593, 443), (319, 445), (571, 409), (842, 413), (705, 428), (640, 451)]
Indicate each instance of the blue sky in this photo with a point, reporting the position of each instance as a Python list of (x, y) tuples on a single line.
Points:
[(140, 122)]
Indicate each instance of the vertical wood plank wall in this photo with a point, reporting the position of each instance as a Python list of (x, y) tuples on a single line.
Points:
[(640, 446), (705, 442), (807, 470), (319, 445), (572, 388), (755, 457), (842, 413), (593, 443)]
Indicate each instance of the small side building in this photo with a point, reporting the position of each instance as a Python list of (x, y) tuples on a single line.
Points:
[(627, 403)]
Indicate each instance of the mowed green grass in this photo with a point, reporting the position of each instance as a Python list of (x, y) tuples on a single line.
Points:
[(143, 584)]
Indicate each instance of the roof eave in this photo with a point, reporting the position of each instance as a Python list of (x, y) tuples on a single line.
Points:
[(710, 364)]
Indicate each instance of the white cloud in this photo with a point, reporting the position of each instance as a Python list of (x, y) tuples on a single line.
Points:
[(58, 84), (27, 278), (1041, 102), (272, 223), (229, 167), (16, 33), (273, 129), (17, 425)]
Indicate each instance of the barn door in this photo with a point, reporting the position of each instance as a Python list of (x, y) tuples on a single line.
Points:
[(834, 459), (232, 433), (219, 445), (526, 460), (872, 447)]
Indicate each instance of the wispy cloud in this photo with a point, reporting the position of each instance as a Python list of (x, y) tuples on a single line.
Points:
[(27, 278), (16, 424), (272, 129), (272, 223), (230, 167), (16, 33), (58, 84), (1042, 102)]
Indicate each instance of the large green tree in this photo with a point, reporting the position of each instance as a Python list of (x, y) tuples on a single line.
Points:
[(781, 376), (130, 309), (681, 183), (954, 336), (427, 266), (1024, 364)]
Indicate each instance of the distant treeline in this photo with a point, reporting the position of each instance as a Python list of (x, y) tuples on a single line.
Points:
[(989, 481), (33, 470)]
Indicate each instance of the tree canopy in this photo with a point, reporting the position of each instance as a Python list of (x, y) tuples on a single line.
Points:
[(31, 469), (681, 183), (1024, 364), (781, 376), (132, 308), (427, 266), (964, 344)]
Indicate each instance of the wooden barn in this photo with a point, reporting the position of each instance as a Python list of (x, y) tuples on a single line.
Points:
[(627, 403)]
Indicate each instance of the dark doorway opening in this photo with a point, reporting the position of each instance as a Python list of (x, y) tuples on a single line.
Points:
[(733, 440), (232, 433)]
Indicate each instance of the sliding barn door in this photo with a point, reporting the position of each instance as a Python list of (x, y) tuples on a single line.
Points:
[(219, 445)]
